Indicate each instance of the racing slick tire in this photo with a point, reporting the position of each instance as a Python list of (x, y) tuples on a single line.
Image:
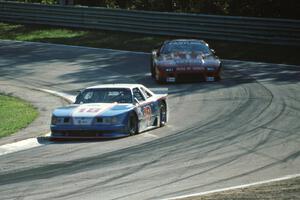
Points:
[(163, 114), (152, 69), (133, 125), (218, 77)]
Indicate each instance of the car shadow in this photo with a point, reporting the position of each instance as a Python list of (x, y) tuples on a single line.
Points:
[(45, 140)]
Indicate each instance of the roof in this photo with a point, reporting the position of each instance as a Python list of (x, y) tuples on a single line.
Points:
[(186, 40), (117, 85)]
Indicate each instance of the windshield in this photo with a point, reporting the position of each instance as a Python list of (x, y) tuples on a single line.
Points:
[(104, 95), (182, 46)]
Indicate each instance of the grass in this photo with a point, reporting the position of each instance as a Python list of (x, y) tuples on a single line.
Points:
[(280, 190), (143, 42), (15, 114)]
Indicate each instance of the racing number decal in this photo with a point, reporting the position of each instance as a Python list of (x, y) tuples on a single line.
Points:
[(147, 114)]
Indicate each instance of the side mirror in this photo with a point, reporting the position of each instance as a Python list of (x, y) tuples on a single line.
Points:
[(155, 52), (213, 51)]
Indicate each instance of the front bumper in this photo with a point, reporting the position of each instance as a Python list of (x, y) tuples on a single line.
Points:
[(189, 75), (88, 131)]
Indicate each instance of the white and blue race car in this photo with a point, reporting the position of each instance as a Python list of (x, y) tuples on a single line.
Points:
[(110, 111)]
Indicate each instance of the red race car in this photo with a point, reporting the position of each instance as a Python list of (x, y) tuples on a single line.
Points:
[(185, 59)]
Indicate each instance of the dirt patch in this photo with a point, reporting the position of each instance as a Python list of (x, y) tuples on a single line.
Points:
[(279, 190)]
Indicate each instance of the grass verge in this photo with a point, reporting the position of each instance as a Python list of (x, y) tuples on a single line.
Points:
[(15, 114), (143, 42), (281, 190)]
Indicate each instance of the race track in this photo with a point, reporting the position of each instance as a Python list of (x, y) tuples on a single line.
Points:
[(240, 130)]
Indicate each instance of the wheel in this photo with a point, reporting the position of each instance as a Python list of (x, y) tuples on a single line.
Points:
[(218, 77), (152, 68), (133, 126), (163, 114)]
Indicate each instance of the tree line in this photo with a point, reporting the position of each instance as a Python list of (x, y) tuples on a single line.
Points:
[(254, 8)]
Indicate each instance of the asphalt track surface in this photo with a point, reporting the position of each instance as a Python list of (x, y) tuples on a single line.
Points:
[(242, 129)]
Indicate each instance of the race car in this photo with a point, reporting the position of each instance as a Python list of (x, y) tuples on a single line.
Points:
[(110, 111), (185, 59)]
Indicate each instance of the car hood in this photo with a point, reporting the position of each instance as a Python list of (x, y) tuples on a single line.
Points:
[(187, 59), (93, 110)]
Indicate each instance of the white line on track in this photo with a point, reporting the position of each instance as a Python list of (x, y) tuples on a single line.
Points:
[(149, 135), (19, 146), (32, 142), (235, 187), (66, 96)]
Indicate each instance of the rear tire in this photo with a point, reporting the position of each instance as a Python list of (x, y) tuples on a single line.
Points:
[(218, 77), (133, 125), (163, 114)]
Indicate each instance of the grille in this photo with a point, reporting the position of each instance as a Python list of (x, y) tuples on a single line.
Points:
[(80, 133), (67, 120), (190, 77)]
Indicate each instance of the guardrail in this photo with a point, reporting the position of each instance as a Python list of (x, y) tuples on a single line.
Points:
[(243, 29)]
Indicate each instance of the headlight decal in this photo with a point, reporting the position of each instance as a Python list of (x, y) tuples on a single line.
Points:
[(60, 120), (54, 120), (109, 120)]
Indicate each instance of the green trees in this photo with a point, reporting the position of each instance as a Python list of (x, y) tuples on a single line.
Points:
[(255, 8)]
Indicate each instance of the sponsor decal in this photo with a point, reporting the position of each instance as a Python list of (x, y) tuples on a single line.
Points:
[(209, 78), (83, 120), (189, 68), (197, 68), (147, 114), (171, 79)]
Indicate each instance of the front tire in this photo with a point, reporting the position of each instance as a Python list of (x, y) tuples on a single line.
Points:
[(133, 125), (218, 77), (152, 69)]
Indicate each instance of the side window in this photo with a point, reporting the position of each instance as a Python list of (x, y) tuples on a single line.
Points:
[(146, 93), (138, 94)]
